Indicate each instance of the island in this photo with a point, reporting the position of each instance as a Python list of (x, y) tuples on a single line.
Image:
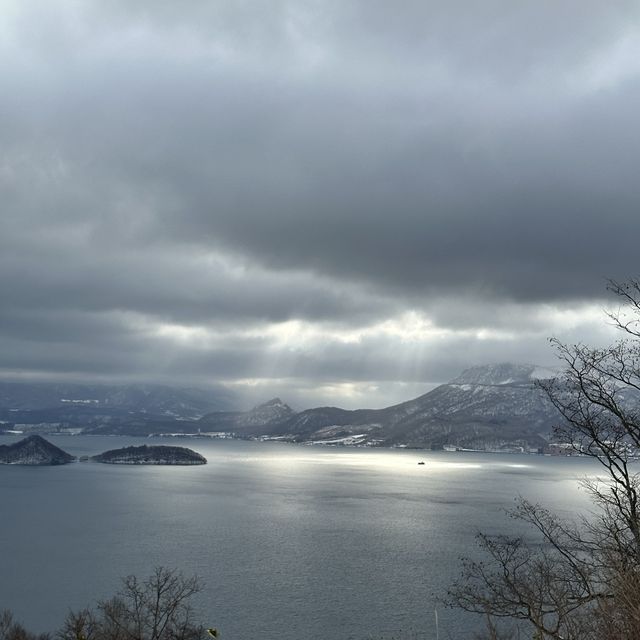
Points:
[(34, 450), (145, 454)]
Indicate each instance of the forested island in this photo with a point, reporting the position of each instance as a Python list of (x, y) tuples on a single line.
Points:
[(34, 450), (145, 454)]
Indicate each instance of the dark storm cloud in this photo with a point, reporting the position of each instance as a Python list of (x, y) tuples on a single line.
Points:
[(230, 165), (489, 161), (178, 288)]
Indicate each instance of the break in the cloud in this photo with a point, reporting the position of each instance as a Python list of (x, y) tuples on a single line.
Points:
[(344, 202)]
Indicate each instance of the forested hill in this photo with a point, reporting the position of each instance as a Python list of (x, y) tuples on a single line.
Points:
[(33, 450)]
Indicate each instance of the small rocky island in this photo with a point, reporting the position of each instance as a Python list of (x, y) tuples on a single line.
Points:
[(34, 450), (145, 454)]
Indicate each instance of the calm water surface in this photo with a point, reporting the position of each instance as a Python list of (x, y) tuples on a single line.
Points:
[(292, 542)]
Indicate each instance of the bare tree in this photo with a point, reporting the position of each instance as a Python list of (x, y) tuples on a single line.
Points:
[(157, 608), (12, 630), (577, 580)]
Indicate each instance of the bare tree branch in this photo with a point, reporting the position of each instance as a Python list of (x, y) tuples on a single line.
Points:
[(577, 581)]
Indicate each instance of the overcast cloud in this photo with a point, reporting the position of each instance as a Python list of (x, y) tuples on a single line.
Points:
[(339, 202)]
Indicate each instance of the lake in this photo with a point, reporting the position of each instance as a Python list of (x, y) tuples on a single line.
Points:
[(292, 542)]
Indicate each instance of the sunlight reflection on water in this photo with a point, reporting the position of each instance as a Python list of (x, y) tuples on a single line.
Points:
[(338, 541)]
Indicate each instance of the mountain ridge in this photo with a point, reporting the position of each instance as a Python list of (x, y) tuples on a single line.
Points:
[(491, 406), (151, 398)]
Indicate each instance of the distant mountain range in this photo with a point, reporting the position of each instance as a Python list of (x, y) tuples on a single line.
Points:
[(135, 408), (151, 398), (485, 407), (489, 407)]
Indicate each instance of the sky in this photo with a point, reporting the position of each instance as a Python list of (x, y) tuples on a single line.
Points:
[(338, 202)]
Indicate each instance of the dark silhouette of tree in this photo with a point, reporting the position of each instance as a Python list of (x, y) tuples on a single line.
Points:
[(12, 630), (576, 580), (157, 608)]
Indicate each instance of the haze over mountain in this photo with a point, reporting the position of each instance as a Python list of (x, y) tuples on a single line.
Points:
[(132, 409), (257, 420), (150, 398)]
